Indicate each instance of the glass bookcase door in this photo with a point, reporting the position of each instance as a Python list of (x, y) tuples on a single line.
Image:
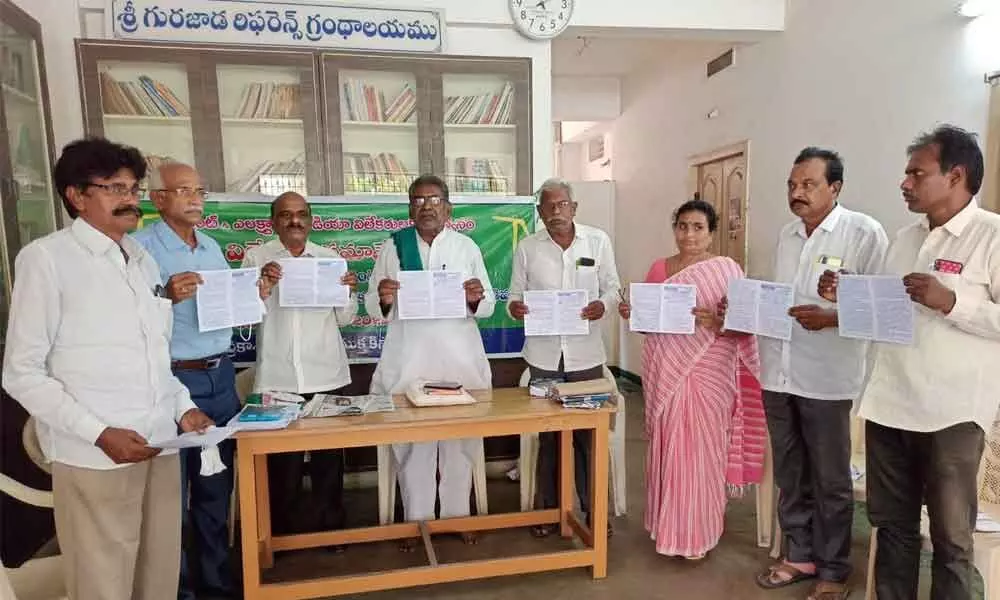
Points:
[(480, 137), (27, 137), (148, 105), (263, 129), (379, 131)]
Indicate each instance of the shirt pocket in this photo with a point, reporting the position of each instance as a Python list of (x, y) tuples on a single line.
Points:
[(165, 316), (586, 279)]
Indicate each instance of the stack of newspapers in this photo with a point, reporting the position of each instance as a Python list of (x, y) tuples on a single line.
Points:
[(590, 394)]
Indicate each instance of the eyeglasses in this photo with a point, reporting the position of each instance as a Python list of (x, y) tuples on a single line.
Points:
[(185, 192), (421, 200), (550, 209), (116, 189)]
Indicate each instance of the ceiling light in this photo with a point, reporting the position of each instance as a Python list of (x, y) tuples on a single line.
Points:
[(976, 8)]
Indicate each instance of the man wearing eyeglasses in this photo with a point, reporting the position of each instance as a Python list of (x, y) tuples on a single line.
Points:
[(300, 350), (432, 349), (200, 360), (564, 255), (87, 355)]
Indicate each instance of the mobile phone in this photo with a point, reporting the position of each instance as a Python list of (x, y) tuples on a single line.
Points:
[(585, 262), (443, 385)]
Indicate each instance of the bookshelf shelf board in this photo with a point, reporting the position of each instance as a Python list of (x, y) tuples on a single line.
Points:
[(262, 122), (377, 124), (146, 119), (478, 127), (17, 94)]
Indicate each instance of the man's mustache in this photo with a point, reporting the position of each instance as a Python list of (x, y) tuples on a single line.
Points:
[(802, 202), (124, 210)]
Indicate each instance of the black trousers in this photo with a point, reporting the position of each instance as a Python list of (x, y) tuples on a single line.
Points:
[(547, 473), (811, 445), (292, 509), (905, 469)]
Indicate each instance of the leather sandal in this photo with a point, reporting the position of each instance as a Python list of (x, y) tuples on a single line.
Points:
[(781, 575)]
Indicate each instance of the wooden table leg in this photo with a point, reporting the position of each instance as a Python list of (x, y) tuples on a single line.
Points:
[(599, 497), (567, 490), (263, 511), (249, 524)]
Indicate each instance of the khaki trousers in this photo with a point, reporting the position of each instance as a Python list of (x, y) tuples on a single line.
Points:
[(119, 530)]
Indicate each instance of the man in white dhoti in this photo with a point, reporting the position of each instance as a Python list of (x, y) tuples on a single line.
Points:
[(432, 349)]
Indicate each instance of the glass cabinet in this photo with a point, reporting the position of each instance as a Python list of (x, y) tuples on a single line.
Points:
[(28, 204), (269, 121)]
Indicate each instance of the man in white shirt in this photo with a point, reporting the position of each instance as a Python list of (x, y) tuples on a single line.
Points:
[(564, 256), (87, 355), (432, 349), (928, 405), (810, 382), (300, 350)]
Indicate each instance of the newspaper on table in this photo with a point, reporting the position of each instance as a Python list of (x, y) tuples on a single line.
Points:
[(332, 405)]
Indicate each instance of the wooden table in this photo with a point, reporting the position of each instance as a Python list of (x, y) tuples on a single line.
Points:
[(499, 412)]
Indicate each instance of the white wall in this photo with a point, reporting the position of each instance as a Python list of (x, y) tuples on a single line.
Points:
[(858, 76), (586, 98)]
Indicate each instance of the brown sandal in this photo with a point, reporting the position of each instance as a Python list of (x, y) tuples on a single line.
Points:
[(830, 590), (781, 575)]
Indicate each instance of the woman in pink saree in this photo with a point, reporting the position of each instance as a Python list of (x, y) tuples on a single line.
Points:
[(704, 416)]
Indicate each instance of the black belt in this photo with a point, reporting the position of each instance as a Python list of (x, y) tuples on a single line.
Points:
[(198, 364)]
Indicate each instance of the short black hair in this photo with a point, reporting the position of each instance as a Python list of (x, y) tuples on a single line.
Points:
[(834, 163), (429, 179), (956, 148), (701, 206), (85, 159)]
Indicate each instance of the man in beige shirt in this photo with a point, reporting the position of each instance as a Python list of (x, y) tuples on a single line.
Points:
[(927, 405)]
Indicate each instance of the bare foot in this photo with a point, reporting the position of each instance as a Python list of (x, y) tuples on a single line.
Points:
[(408, 545), (471, 538)]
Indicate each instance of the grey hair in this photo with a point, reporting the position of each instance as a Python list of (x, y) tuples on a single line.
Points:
[(154, 179), (555, 184)]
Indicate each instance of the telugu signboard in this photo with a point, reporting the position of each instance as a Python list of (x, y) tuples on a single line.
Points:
[(279, 23)]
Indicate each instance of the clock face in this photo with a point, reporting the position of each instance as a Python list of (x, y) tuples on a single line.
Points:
[(541, 19)]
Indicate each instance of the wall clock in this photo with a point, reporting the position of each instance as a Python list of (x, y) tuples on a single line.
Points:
[(541, 19)]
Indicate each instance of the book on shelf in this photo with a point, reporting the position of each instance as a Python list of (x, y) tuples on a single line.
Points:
[(479, 175), (145, 97), (375, 173), (269, 100), (366, 102), (482, 109), (273, 177)]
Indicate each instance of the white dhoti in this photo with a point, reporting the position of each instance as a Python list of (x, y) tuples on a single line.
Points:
[(444, 349), (419, 464)]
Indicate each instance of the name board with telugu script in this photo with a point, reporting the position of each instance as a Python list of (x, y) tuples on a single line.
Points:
[(280, 24)]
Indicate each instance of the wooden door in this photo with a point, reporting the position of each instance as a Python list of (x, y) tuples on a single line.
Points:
[(722, 183), (732, 219)]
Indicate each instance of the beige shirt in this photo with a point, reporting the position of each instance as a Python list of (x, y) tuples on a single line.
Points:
[(821, 364), (542, 264), (88, 344), (948, 376), (300, 350)]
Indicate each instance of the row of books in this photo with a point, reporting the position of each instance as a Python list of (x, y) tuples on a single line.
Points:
[(366, 102), (478, 175), (273, 177), (145, 96), (270, 101), (376, 173), (484, 109)]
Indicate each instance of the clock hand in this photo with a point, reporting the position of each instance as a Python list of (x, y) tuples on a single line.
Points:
[(541, 3)]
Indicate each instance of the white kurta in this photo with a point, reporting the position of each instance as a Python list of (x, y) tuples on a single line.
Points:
[(449, 349)]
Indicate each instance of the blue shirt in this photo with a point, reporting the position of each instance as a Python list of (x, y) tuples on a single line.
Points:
[(173, 255)]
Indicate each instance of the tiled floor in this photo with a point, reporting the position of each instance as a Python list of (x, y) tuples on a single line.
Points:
[(635, 570)]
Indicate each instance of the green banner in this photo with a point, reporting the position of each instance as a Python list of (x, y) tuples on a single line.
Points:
[(357, 231)]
